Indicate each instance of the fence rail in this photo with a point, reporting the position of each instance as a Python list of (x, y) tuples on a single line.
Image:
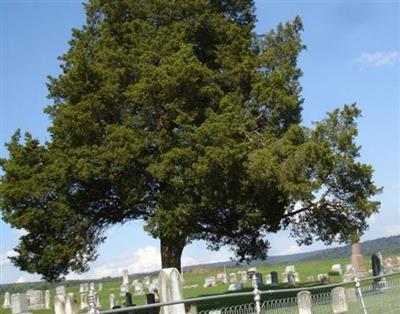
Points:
[(361, 296)]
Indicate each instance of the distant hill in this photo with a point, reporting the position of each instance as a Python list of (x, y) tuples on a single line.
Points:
[(387, 246)]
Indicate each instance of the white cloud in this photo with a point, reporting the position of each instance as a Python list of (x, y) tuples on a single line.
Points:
[(27, 278), (292, 249), (142, 260), (188, 261), (377, 59), (4, 261), (392, 230)]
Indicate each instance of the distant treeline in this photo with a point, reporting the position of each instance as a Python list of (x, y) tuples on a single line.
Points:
[(387, 246)]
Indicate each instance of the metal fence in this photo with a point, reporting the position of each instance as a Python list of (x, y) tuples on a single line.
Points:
[(361, 297)]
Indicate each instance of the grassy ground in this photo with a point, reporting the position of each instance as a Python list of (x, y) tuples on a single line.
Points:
[(303, 268)]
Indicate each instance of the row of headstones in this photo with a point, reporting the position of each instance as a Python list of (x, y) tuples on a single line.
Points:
[(139, 287), (22, 302), (235, 284)]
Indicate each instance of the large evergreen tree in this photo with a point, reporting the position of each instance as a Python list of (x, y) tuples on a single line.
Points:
[(176, 113)]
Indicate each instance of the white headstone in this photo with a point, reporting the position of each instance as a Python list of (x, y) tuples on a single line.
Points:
[(92, 286), (235, 286), (146, 280), (47, 299), (221, 277), (59, 304), (84, 301), (7, 301), (112, 301), (209, 282), (170, 285), (304, 302), (337, 268), (125, 277), (19, 304), (268, 279), (35, 299), (339, 302), (71, 306), (100, 287)]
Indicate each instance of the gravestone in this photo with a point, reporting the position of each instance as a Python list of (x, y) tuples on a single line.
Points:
[(357, 260), (59, 304), (71, 306), (124, 289), (290, 269), (86, 287), (146, 280), (60, 291), (232, 278), (19, 304), (152, 287), (377, 270), (92, 286), (291, 279), (7, 301), (47, 299), (209, 282), (138, 287), (125, 277), (112, 301), (337, 268), (339, 302), (274, 279), (348, 277), (221, 277), (81, 289), (259, 280), (310, 279), (170, 285), (98, 303), (191, 308), (235, 286), (304, 303), (35, 299), (150, 298), (323, 278), (84, 304), (268, 279), (100, 286)]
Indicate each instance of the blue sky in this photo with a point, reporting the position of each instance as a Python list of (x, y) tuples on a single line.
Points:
[(353, 55)]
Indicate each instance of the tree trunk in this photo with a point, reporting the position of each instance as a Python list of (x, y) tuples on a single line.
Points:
[(171, 253)]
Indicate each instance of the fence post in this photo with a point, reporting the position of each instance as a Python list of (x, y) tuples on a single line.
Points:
[(257, 294), (357, 282)]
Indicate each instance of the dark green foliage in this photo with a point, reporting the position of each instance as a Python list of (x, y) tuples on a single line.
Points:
[(178, 114)]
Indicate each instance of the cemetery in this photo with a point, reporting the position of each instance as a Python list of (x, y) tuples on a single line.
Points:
[(199, 283)]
